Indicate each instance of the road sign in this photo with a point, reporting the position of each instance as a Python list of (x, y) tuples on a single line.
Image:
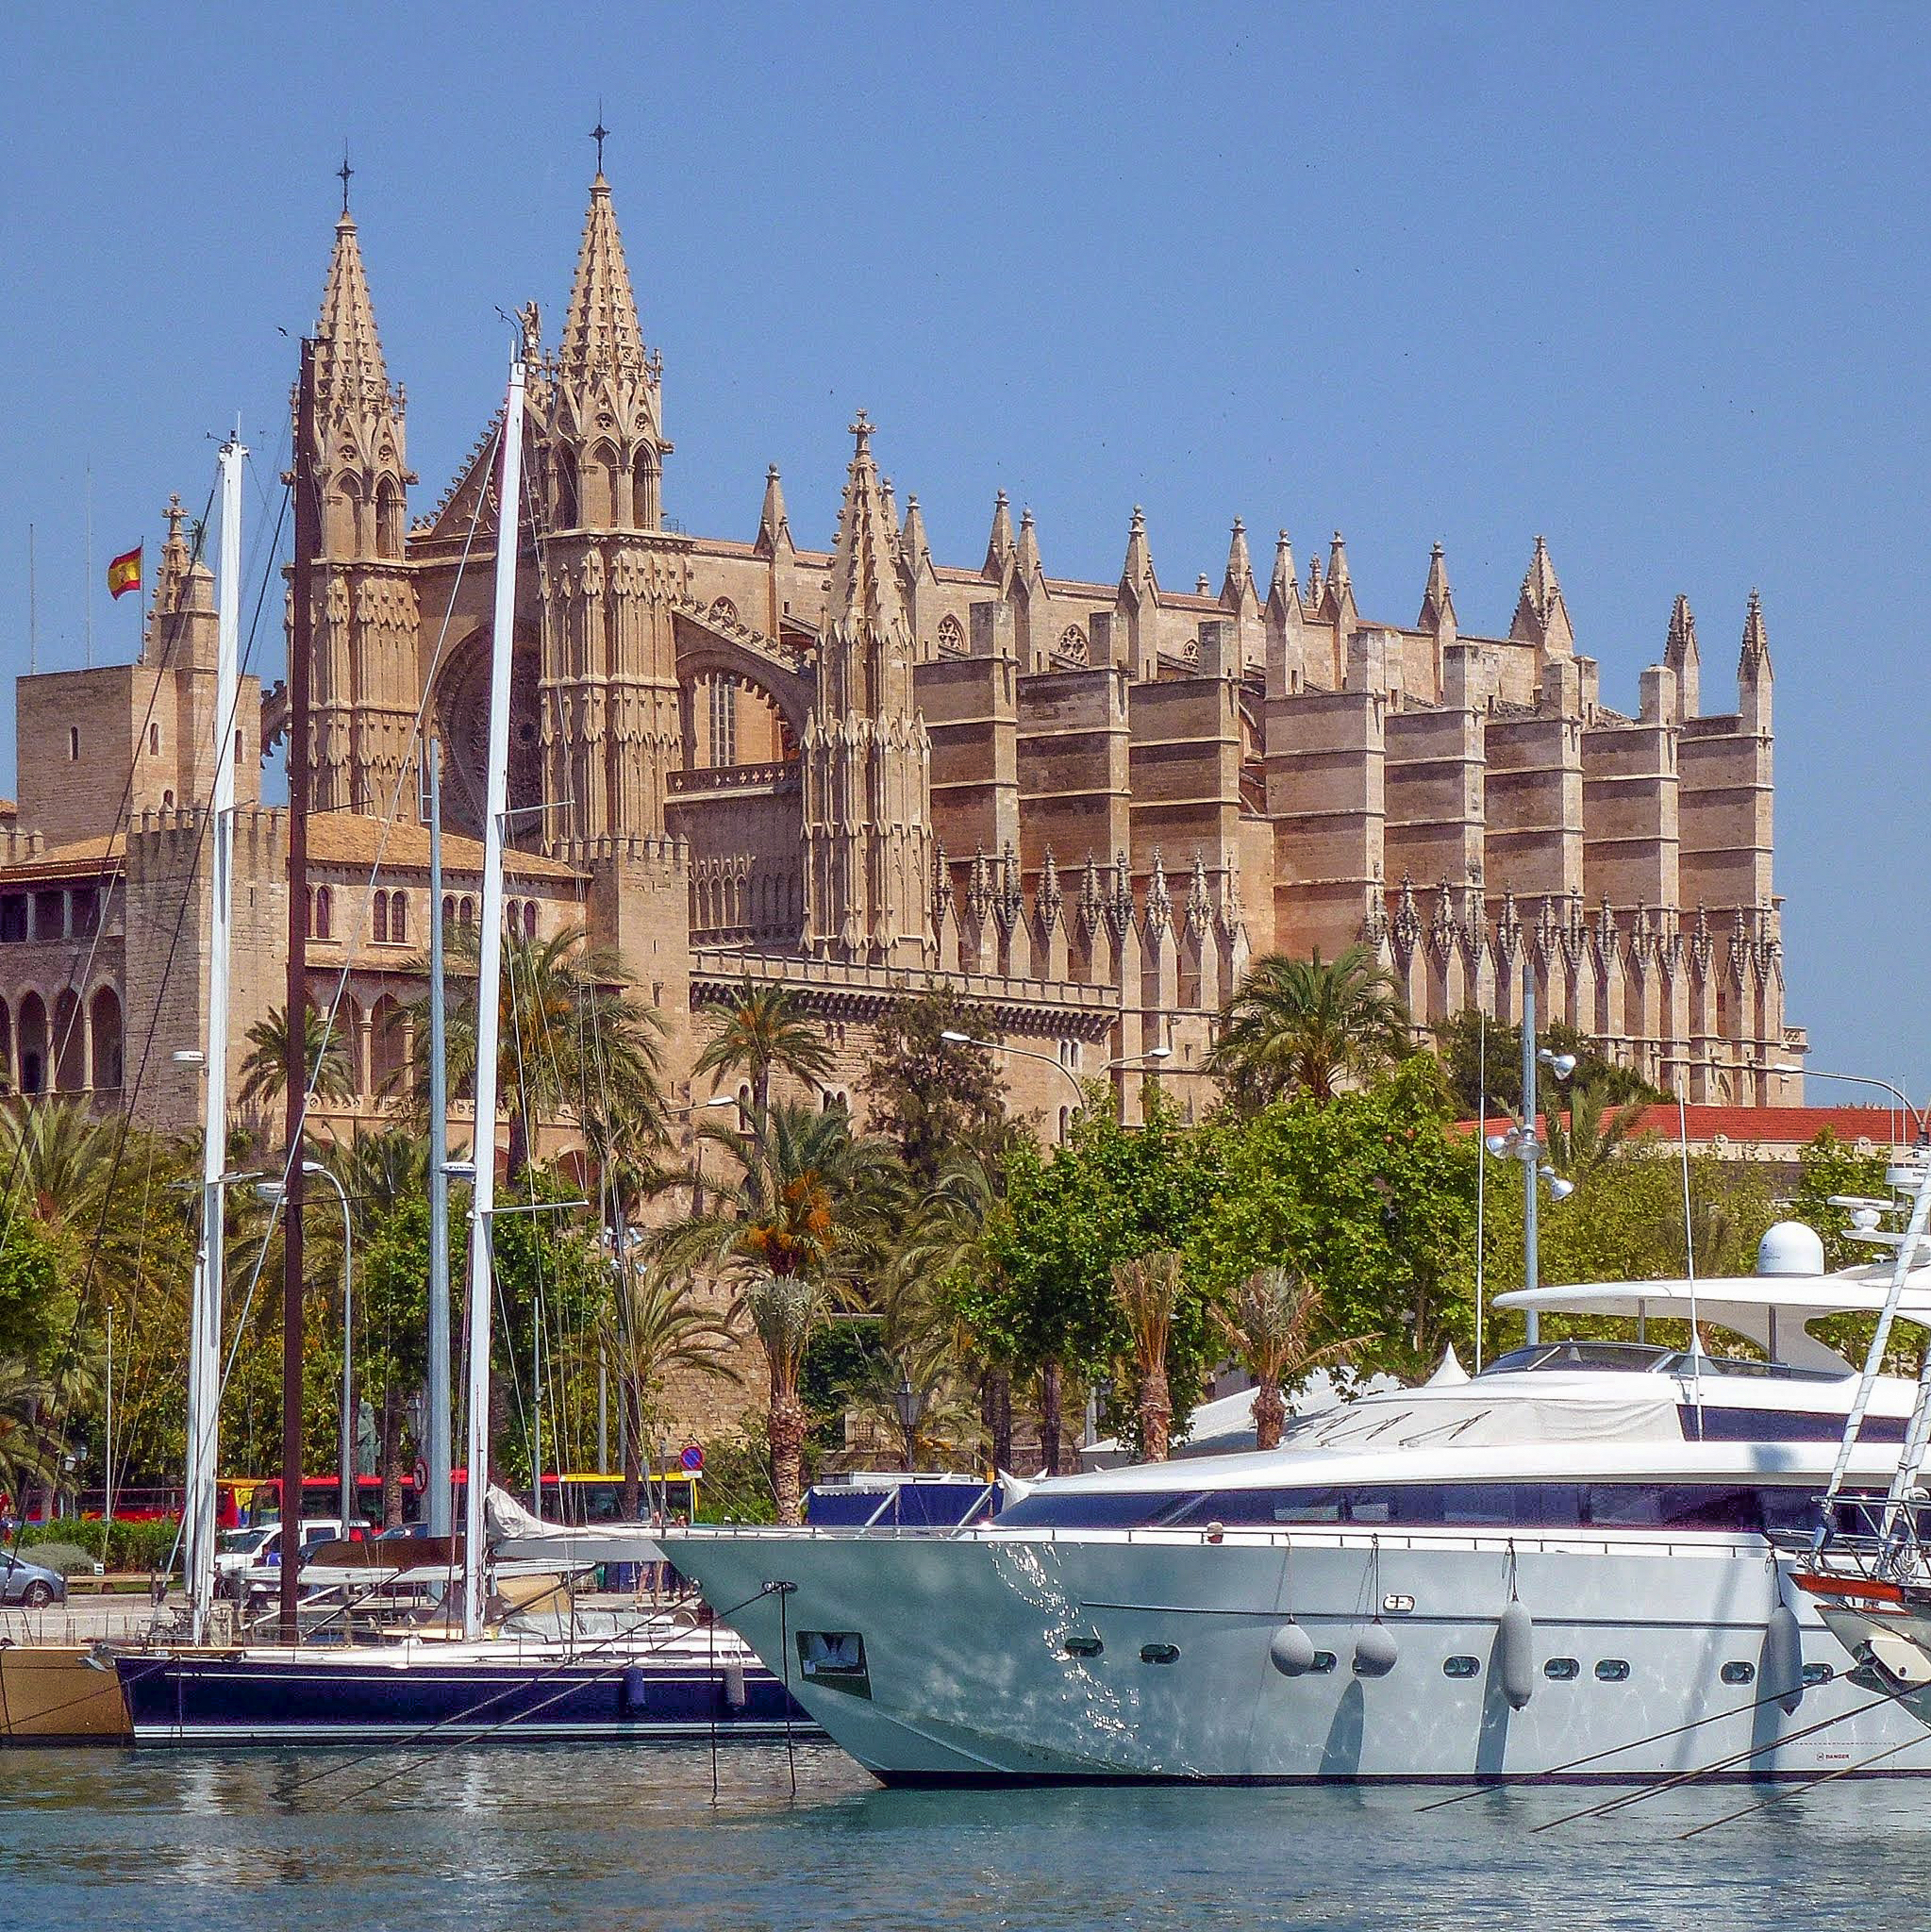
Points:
[(693, 1457), (422, 1476)]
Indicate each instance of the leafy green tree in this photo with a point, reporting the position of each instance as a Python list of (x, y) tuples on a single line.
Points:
[(1370, 1200), (1463, 1049), (1044, 1300), (1829, 1167), (1310, 1027), (1585, 1129), (936, 1098)]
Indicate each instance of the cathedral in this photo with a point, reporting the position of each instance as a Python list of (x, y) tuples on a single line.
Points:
[(859, 772)]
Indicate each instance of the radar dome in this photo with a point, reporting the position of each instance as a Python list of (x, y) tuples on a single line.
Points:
[(1791, 1247)]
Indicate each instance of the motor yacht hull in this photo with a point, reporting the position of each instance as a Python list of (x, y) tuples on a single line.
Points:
[(459, 1692), (965, 1672)]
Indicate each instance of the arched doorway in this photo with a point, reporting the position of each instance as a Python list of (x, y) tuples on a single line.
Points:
[(104, 1012)]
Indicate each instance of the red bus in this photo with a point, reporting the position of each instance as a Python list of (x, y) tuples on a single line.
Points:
[(155, 1502), (320, 1496)]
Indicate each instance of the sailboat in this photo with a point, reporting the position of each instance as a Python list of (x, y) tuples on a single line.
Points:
[(512, 1677)]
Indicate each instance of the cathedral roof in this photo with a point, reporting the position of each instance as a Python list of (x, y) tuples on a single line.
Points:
[(355, 838), (601, 332)]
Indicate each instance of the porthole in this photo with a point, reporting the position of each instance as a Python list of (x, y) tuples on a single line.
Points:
[(1160, 1653), (1562, 1670), (1324, 1663), (1815, 1675), (1737, 1673), (1462, 1667), (1084, 1646), (1611, 1669)]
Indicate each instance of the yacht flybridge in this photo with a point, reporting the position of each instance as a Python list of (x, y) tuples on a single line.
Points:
[(1561, 1567)]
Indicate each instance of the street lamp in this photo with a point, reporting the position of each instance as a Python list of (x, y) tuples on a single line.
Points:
[(1522, 1143), (1052, 1061), (1897, 1094), (910, 1404), (271, 1193)]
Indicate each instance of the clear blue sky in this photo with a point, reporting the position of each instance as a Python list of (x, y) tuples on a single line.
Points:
[(1650, 280)]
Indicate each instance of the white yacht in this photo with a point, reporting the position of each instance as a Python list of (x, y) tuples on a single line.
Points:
[(1562, 1567)]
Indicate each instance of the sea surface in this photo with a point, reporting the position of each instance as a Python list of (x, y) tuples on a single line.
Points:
[(614, 1836)]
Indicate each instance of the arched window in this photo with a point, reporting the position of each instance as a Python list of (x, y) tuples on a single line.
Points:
[(466, 912), (389, 518), (951, 633), (563, 470), (154, 739), (168, 800), (348, 1029), (398, 918), (69, 1043), (33, 1044), (449, 908), (5, 1049), (325, 911), (381, 919), (388, 1047), (511, 924), (723, 610), (529, 919), (645, 476), (72, 743), (1073, 643), (105, 1013)]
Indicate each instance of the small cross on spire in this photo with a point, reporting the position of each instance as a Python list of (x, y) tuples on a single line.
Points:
[(600, 134), (342, 174)]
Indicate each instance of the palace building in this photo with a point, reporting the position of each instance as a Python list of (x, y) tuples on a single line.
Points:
[(861, 772)]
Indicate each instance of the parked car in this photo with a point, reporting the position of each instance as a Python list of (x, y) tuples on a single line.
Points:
[(22, 1582), (260, 1577)]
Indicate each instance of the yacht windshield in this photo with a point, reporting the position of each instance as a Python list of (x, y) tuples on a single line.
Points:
[(1630, 1358)]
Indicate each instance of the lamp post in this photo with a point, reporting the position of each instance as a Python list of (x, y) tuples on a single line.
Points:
[(271, 1191), (1897, 1094), (1052, 1061), (1522, 1143), (910, 1404)]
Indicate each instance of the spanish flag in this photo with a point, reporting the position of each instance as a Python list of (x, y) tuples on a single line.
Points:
[(123, 573)]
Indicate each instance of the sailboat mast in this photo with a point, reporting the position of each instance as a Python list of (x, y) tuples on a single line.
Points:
[(205, 1324), (296, 999), (488, 982), (437, 1457)]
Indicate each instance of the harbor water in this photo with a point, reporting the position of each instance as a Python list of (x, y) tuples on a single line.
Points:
[(616, 1838)]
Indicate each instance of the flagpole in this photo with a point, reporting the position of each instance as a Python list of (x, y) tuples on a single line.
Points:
[(90, 567)]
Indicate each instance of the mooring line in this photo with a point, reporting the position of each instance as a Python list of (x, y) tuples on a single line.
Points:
[(1798, 1790)]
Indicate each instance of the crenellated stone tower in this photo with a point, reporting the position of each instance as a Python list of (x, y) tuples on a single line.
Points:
[(366, 686), (868, 834)]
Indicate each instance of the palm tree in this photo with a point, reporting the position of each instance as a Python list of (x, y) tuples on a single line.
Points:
[(764, 1030), (576, 1044), (800, 1226), (652, 1329), (325, 1053), (785, 1311), (28, 1454), (1595, 1132), (944, 1429), (1148, 1289), (1308, 1026), (1271, 1325)]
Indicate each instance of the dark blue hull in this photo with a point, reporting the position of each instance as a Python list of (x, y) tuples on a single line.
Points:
[(201, 1697)]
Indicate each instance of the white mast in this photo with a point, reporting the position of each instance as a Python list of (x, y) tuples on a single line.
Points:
[(488, 981), (205, 1326)]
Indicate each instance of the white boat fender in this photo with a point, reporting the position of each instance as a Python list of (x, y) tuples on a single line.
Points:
[(1290, 1650), (1783, 1659), (1375, 1651), (734, 1686), (1515, 1654)]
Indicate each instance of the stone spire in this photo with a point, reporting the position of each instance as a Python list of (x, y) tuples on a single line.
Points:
[(1754, 676), (1237, 587), (601, 332), (867, 780), (999, 545), (912, 543), (349, 370), (774, 526), (1438, 600), (1680, 655), (1337, 600), (864, 577), (1026, 556), (1541, 617), (1137, 573), (1282, 590)]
